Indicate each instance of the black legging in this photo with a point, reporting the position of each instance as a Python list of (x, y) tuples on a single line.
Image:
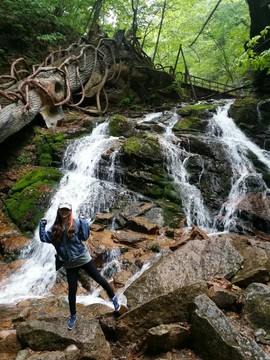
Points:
[(72, 277)]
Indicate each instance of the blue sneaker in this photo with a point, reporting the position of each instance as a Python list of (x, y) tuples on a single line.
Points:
[(116, 303), (71, 321)]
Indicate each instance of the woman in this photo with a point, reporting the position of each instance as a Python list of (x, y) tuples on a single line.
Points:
[(67, 235)]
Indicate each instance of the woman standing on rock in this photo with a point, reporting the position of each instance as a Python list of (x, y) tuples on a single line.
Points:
[(67, 235)]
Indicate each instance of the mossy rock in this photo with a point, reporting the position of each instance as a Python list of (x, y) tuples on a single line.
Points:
[(190, 124), (49, 148), (29, 198), (244, 111), (202, 111), (145, 146), (194, 118), (119, 125), (172, 213)]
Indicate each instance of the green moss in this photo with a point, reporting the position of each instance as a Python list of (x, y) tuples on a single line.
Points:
[(186, 123), (194, 117), (155, 248), (244, 110), (132, 145), (197, 109), (35, 176), (171, 212), (48, 147), (145, 146), (28, 199), (45, 160), (23, 159), (118, 125)]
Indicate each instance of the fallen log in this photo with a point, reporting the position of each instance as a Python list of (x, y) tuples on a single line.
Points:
[(81, 70)]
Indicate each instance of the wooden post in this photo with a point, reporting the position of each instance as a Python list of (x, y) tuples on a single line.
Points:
[(187, 75), (177, 58)]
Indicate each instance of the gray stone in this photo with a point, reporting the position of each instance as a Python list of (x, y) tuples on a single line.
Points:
[(256, 307), (195, 261), (49, 336), (214, 336), (171, 307), (256, 265)]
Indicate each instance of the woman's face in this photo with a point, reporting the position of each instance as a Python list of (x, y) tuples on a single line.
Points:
[(64, 213)]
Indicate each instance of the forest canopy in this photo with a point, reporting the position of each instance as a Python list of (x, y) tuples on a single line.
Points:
[(211, 33)]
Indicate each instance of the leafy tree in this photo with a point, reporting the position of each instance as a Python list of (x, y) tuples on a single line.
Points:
[(160, 25)]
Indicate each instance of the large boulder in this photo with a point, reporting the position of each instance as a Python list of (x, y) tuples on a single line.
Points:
[(195, 261), (215, 337), (44, 336), (256, 264), (170, 307)]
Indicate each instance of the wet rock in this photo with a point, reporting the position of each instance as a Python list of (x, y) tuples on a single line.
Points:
[(254, 208), (128, 237), (214, 336), (194, 233), (9, 342), (140, 223)]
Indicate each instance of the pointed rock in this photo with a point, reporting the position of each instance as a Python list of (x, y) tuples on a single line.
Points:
[(214, 336)]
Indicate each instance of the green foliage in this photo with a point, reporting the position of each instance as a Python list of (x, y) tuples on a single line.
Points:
[(251, 59), (210, 53), (125, 101), (52, 38), (28, 27), (23, 160)]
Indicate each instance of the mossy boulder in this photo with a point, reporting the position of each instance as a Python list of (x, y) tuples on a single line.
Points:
[(199, 110), (194, 117), (143, 161), (29, 197), (145, 146), (251, 116), (119, 125), (244, 111)]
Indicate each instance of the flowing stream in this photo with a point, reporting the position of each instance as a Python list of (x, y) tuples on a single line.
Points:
[(175, 161), (91, 190), (84, 191), (239, 150)]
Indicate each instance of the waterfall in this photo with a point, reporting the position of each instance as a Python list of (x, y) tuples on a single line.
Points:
[(238, 149), (175, 161), (91, 184), (88, 195)]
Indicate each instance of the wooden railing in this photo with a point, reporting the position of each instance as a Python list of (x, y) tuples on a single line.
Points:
[(204, 83)]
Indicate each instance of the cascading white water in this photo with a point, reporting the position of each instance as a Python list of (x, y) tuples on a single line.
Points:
[(85, 192), (238, 149), (90, 195), (175, 161)]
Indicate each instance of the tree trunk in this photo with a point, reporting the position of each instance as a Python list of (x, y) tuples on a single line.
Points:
[(160, 28), (260, 18)]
